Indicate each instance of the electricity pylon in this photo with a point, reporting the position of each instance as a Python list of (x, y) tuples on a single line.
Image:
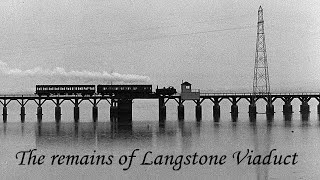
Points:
[(261, 83)]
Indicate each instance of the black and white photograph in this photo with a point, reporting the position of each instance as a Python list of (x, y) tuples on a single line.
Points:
[(160, 89)]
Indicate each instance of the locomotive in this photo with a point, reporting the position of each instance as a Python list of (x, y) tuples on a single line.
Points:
[(166, 91), (84, 90)]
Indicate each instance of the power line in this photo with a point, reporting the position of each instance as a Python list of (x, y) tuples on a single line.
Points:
[(101, 43)]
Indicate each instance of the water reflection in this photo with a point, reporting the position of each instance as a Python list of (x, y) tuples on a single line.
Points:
[(4, 129), (305, 119), (234, 117), (270, 118), (287, 119), (109, 135), (262, 143), (259, 133), (216, 118), (287, 116), (22, 129), (252, 117)]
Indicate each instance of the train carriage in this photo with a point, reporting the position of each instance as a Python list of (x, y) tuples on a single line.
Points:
[(46, 90), (124, 89)]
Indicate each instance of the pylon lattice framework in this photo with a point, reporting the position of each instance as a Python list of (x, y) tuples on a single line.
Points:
[(261, 83)]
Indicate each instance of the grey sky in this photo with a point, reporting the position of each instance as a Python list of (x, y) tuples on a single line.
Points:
[(209, 43)]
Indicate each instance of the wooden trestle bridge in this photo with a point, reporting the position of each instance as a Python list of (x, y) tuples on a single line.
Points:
[(121, 106)]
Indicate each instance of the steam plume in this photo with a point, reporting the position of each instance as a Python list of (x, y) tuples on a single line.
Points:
[(84, 76)]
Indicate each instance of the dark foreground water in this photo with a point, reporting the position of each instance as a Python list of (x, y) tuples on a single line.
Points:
[(183, 140)]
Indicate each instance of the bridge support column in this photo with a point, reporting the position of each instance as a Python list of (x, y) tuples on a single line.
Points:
[(23, 114), (124, 112), (234, 110), (57, 113), (162, 109), (76, 113), (252, 109), (5, 113), (39, 113), (216, 110), (287, 108), (95, 113), (114, 109), (304, 108), (181, 112), (269, 108), (198, 112), (162, 113)]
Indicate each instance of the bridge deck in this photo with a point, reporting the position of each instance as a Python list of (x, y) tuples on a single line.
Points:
[(155, 96)]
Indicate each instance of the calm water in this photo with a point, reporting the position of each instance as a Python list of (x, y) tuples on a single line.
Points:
[(288, 135)]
